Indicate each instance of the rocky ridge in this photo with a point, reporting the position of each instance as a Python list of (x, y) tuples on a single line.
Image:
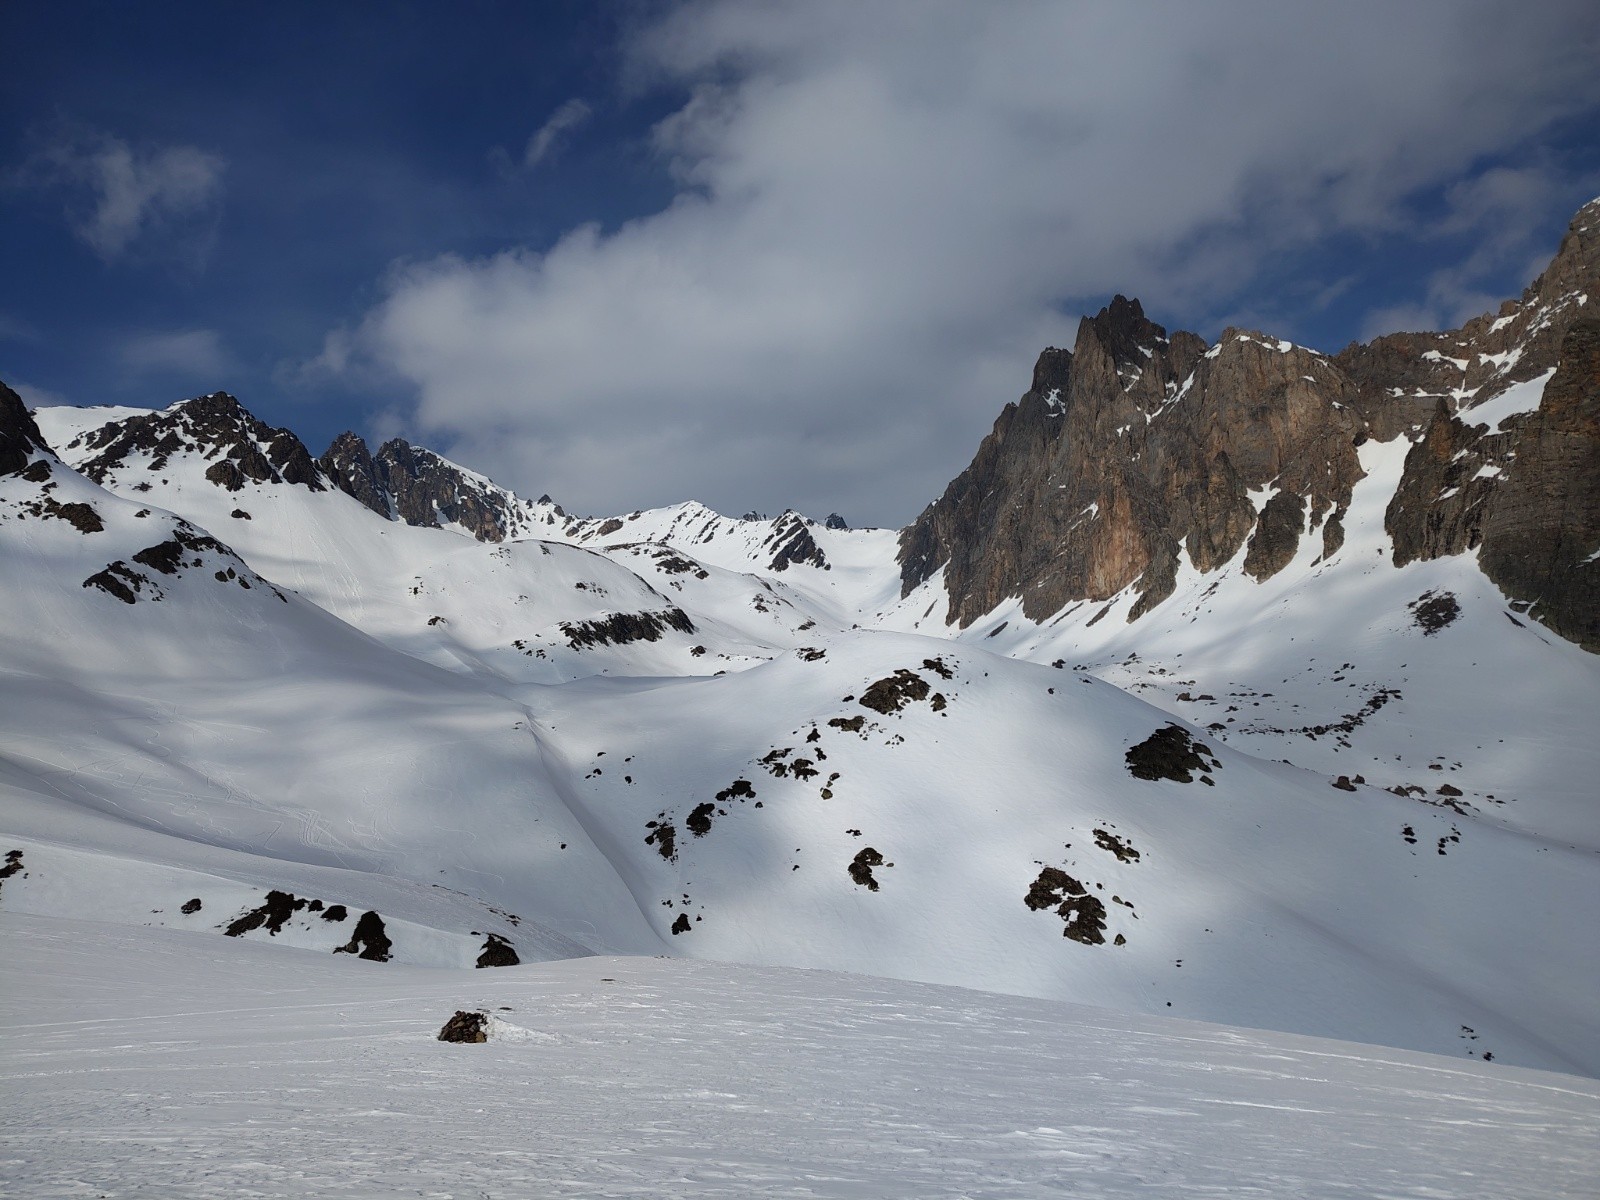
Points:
[(402, 482)]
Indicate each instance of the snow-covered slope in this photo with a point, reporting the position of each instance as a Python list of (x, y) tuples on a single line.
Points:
[(278, 1074), (987, 829), (170, 714)]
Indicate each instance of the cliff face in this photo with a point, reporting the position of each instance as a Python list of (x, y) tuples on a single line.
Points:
[(1136, 449), (1131, 449), (1541, 533)]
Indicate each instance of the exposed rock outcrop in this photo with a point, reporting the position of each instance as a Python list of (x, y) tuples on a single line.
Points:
[(370, 940), (618, 629), (1083, 916), (497, 952), (467, 1028), (187, 550), (1400, 377), (1439, 507)]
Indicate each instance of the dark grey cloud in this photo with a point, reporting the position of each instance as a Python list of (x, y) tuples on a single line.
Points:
[(883, 209)]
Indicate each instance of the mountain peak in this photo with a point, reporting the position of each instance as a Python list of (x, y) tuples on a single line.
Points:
[(239, 446), (213, 406), (1123, 331)]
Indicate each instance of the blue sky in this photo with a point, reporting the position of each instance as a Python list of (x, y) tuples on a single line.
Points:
[(756, 254)]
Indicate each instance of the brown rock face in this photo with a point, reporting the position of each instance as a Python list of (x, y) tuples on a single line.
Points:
[(1400, 377), (1134, 448), (1541, 536), (1439, 507), (1129, 448), (1277, 535)]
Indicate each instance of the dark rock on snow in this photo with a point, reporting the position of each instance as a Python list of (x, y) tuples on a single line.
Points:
[(497, 952), (370, 940), (1170, 753), (469, 1028)]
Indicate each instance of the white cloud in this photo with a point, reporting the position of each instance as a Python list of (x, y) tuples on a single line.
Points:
[(117, 195), (197, 354), (553, 132), (883, 208)]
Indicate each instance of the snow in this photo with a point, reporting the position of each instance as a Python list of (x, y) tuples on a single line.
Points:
[(1518, 398), (1183, 389), (272, 1073), (1277, 344), (1503, 361)]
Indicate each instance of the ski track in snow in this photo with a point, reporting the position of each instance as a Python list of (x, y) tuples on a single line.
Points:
[(274, 1073)]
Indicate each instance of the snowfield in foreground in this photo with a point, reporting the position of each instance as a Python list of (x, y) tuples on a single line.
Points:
[(278, 1073)]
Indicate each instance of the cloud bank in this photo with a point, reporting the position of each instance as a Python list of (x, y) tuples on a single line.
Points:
[(885, 211)]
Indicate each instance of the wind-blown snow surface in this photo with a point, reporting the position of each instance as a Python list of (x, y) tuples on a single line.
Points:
[(275, 1073), (522, 740)]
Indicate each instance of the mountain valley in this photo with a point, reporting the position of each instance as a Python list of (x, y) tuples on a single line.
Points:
[(1238, 683)]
